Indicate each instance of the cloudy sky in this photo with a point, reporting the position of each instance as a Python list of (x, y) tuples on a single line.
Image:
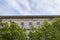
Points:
[(29, 7)]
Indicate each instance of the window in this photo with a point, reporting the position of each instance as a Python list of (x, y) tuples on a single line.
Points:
[(22, 24), (38, 24), (30, 24)]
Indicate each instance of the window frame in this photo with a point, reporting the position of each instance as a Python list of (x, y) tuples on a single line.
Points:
[(38, 24), (22, 24)]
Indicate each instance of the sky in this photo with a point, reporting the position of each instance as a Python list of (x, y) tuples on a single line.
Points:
[(29, 7)]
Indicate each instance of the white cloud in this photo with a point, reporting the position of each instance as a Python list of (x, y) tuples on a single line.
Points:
[(25, 3), (34, 7), (50, 6), (15, 5)]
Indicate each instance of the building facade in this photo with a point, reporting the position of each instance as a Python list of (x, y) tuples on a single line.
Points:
[(28, 21)]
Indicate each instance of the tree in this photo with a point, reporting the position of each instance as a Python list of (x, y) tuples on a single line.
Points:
[(32, 33), (56, 26), (12, 32), (16, 32), (48, 31)]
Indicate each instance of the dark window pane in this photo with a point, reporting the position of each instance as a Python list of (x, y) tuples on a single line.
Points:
[(38, 24), (30, 24), (22, 24)]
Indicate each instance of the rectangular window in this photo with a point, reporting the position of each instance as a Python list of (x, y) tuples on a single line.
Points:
[(22, 24), (38, 24), (30, 24)]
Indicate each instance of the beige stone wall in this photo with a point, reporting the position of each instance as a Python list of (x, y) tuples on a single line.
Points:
[(26, 21)]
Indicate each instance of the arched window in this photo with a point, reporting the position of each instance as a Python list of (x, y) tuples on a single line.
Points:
[(22, 24)]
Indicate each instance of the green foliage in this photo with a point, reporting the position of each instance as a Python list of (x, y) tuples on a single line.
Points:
[(32, 34), (48, 31), (0, 19), (12, 32), (56, 26)]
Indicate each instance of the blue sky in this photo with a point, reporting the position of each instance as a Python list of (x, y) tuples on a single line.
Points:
[(29, 7)]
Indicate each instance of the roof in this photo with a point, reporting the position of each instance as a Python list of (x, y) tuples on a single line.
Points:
[(31, 16)]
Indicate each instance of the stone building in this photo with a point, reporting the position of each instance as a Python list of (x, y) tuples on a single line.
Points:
[(27, 21)]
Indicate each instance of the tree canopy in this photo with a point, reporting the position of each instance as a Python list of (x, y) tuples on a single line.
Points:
[(48, 31)]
